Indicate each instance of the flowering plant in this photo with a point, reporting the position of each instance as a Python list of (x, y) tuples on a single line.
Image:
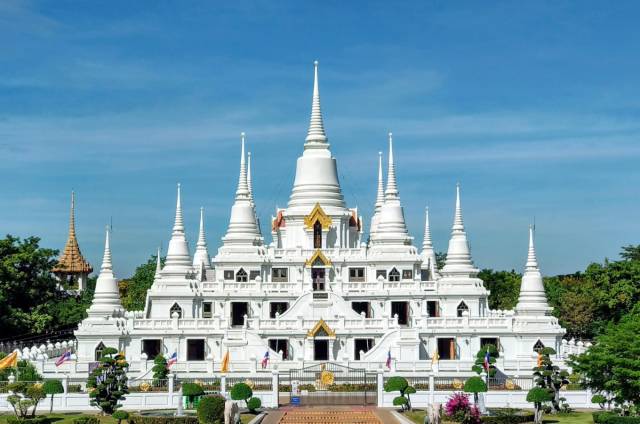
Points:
[(460, 410)]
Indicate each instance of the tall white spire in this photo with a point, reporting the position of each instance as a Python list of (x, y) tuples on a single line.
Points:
[(316, 178), (243, 227), (178, 260), (316, 132), (201, 255), (532, 299), (106, 298), (458, 261), (392, 185), (158, 264), (391, 227), (249, 181), (428, 253), (379, 199)]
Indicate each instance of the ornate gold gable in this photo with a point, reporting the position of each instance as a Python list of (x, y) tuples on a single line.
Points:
[(317, 214), (318, 257), (321, 329)]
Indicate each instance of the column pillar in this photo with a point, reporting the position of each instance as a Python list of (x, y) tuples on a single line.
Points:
[(275, 387), (432, 388)]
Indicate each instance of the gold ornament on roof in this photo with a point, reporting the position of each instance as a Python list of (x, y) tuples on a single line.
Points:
[(318, 256), (321, 329), (327, 378), (317, 214), (72, 261)]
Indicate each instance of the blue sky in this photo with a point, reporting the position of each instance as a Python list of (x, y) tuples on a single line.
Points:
[(533, 108)]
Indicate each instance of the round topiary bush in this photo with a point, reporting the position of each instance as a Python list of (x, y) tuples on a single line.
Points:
[(241, 391), (253, 404), (191, 391), (52, 387), (211, 409), (120, 415)]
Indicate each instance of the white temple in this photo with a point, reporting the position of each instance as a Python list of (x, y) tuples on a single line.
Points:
[(319, 291)]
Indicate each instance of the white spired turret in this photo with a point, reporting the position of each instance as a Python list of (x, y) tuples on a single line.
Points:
[(391, 227), (201, 260), (379, 199), (458, 263), (316, 178), (428, 253), (178, 261), (533, 299), (106, 298), (243, 227)]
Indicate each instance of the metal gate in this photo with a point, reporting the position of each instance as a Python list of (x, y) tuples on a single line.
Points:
[(332, 384)]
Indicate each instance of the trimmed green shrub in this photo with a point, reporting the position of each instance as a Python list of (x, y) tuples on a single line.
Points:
[(87, 419), (606, 417), (400, 401), (402, 385), (538, 396), (192, 391), (139, 419), (475, 385), (242, 391), (120, 415), (36, 420), (211, 409), (253, 404), (52, 387), (515, 416)]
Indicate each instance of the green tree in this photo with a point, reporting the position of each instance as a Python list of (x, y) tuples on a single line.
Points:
[(612, 364), (108, 382), (211, 410), (52, 387), (401, 385), (120, 415), (479, 366), (504, 287), (475, 385), (192, 391), (160, 370), (133, 291), (538, 396), (24, 397), (551, 378), (242, 391), (630, 253), (441, 258)]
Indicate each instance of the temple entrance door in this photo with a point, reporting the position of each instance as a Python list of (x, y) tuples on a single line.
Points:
[(317, 276), (320, 350)]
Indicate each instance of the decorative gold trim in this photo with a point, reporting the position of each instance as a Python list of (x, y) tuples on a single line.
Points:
[(321, 325), (317, 214), (318, 255)]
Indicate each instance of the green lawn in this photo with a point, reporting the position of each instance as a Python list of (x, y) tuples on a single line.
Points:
[(417, 416), (65, 418)]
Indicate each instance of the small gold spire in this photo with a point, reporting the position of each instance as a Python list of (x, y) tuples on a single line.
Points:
[(72, 261)]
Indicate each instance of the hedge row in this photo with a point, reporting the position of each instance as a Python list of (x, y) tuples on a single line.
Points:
[(524, 417), (605, 417), (36, 420), (140, 419)]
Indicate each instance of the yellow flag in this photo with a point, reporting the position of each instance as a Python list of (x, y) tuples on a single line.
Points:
[(539, 362), (435, 357), (8, 361), (225, 363)]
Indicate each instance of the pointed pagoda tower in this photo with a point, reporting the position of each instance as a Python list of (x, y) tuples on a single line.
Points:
[(391, 228), (201, 259), (104, 324), (532, 299), (72, 269), (428, 253), (458, 263), (379, 200)]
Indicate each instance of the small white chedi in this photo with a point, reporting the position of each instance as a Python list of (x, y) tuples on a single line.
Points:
[(318, 292)]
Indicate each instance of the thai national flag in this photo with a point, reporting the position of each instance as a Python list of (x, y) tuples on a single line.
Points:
[(66, 356), (172, 359), (389, 359), (265, 359), (487, 361)]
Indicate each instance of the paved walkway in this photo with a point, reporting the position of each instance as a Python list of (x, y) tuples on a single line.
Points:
[(329, 415)]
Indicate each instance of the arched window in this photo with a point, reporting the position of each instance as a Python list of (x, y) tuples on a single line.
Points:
[(461, 308), (317, 235), (538, 346), (175, 309), (394, 275), (241, 276), (99, 349)]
